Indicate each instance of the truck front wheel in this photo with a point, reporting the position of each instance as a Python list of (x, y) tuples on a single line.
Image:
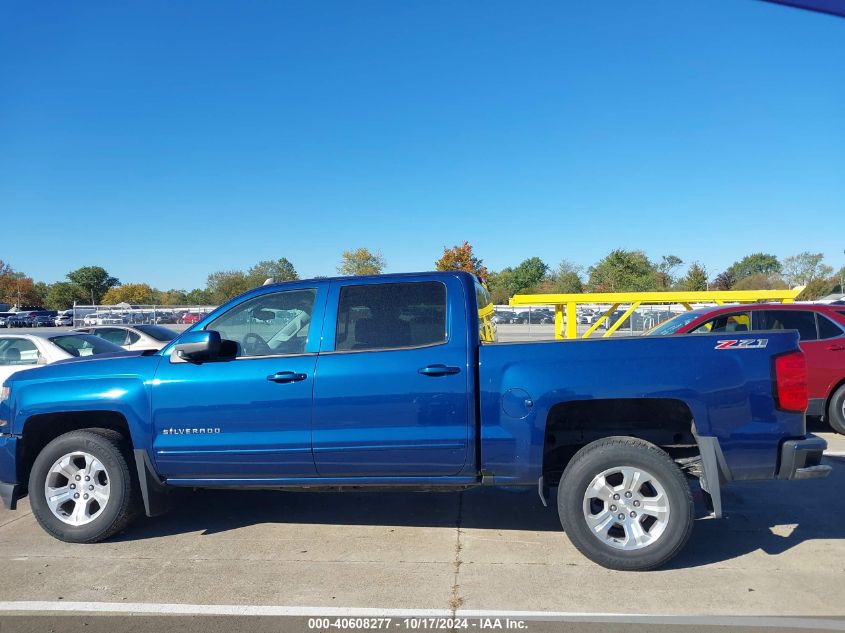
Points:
[(625, 504), (81, 487)]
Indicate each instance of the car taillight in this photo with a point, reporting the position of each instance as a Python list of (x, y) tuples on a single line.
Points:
[(791, 382)]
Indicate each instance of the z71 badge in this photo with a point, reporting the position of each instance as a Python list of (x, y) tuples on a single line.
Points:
[(744, 343)]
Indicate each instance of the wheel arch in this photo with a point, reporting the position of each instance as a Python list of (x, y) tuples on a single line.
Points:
[(42, 428), (829, 399), (572, 424)]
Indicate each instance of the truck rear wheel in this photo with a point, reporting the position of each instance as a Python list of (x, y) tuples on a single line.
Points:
[(81, 487), (625, 504)]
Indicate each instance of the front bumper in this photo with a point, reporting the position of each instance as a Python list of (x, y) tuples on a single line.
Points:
[(801, 458)]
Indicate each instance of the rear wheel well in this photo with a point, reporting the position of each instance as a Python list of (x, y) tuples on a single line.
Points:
[(40, 430), (665, 422)]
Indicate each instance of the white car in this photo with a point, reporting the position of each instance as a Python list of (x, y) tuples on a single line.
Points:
[(133, 337), (64, 318), (19, 352)]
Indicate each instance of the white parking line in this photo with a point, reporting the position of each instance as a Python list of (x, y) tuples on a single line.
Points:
[(137, 608)]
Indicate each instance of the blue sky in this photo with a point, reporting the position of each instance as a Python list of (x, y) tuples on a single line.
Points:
[(167, 140)]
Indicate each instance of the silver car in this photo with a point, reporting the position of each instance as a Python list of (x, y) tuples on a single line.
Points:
[(19, 352), (133, 337)]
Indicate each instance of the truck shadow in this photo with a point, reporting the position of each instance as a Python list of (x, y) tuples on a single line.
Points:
[(772, 516)]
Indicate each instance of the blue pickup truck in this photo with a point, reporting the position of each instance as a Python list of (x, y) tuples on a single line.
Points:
[(386, 381)]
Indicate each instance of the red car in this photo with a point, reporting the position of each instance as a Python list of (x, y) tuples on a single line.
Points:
[(821, 329), (189, 318)]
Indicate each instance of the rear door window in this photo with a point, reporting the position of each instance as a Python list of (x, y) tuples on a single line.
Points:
[(391, 316), (802, 320), (827, 328)]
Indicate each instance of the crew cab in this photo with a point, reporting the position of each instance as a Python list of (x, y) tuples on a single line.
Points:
[(389, 381), (821, 335)]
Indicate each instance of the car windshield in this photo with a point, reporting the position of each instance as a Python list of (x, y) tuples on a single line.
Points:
[(673, 325), (84, 345), (157, 332)]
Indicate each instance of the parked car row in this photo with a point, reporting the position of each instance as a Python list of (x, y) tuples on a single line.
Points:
[(638, 321), (89, 317), (130, 317), (29, 318)]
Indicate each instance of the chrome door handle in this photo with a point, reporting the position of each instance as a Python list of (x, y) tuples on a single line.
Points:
[(439, 370), (286, 376), (836, 348)]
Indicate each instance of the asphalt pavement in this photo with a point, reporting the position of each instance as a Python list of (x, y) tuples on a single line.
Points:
[(780, 551)]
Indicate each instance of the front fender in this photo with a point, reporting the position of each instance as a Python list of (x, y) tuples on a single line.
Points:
[(127, 396)]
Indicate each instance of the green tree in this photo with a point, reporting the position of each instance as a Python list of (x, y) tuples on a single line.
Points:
[(724, 281), (94, 280), (623, 271), (172, 297), (695, 279), (760, 281), (62, 295), (501, 286), (137, 294), (755, 264), (198, 297), (565, 279), (461, 257), (225, 284), (666, 269), (805, 268), (278, 270), (361, 261), (528, 275)]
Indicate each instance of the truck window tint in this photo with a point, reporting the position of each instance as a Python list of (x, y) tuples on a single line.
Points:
[(271, 324), (18, 351), (389, 316), (827, 328), (802, 320), (735, 322)]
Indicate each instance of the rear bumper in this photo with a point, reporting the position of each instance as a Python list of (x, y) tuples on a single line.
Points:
[(801, 458)]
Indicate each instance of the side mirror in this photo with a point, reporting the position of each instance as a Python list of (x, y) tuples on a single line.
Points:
[(198, 346)]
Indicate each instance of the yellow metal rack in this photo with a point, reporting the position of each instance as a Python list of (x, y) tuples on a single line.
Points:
[(634, 300)]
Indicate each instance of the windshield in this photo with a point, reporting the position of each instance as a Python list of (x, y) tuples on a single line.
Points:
[(84, 345), (673, 325), (157, 332)]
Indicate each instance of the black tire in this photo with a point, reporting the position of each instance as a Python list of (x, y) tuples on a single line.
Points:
[(614, 452), (836, 411), (112, 450)]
